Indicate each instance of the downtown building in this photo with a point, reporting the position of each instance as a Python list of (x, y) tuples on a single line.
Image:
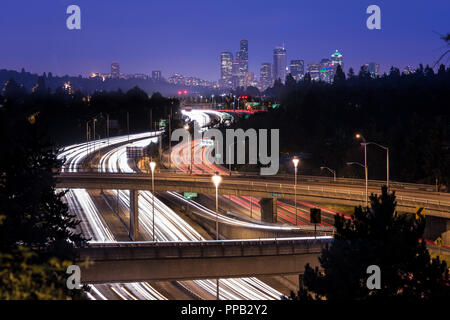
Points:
[(226, 70), (326, 71), (313, 69), (279, 64), (297, 69), (337, 59), (265, 76), (233, 71), (373, 69)]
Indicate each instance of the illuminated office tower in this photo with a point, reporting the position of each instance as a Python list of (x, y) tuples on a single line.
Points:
[(242, 57), (226, 69), (336, 58), (279, 64), (314, 70), (372, 68), (265, 76), (326, 70), (297, 69)]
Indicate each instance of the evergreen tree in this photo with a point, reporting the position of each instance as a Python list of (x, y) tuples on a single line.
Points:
[(351, 73), (339, 76), (377, 236), (37, 232)]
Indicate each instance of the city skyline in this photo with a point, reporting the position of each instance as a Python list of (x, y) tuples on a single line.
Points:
[(39, 41)]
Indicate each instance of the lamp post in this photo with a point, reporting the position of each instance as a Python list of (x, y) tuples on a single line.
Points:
[(295, 161), (216, 180), (331, 170), (152, 167), (366, 170), (366, 173), (365, 144)]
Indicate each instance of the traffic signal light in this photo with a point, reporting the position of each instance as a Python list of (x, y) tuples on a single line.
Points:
[(315, 215)]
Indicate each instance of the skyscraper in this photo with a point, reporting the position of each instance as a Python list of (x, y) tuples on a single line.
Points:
[(326, 71), (226, 69), (336, 58), (237, 78), (279, 64), (242, 57), (115, 70), (297, 69), (314, 70), (156, 75), (373, 69), (249, 78), (265, 76)]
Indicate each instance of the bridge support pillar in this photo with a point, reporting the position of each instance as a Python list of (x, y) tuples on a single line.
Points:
[(268, 210), (134, 215)]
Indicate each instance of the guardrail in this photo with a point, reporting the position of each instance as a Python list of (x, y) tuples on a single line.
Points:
[(289, 177), (273, 187)]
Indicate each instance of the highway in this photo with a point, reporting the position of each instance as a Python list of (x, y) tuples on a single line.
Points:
[(203, 164), (168, 226)]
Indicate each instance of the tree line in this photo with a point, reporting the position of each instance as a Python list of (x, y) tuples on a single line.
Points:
[(406, 112)]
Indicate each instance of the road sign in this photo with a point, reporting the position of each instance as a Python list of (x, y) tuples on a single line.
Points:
[(190, 195), (420, 213), (275, 195), (439, 242), (315, 215)]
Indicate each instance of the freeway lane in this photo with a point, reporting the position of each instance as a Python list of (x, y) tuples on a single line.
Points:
[(169, 226), (93, 226)]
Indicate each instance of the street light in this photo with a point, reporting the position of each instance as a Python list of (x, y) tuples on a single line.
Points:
[(387, 158), (366, 170), (295, 161), (365, 144), (331, 170), (216, 180), (152, 167)]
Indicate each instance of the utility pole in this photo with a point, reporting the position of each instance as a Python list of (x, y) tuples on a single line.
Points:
[(170, 139)]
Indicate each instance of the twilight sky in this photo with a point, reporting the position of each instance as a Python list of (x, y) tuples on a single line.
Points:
[(187, 36)]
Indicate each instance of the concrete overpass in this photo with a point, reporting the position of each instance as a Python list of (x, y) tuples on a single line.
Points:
[(167, 261), (436, 204)]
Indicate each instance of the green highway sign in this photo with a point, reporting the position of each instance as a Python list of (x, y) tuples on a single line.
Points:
[(275, 195), (190, 195)]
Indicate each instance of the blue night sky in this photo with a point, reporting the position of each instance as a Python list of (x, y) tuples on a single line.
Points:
[(188, 36)]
